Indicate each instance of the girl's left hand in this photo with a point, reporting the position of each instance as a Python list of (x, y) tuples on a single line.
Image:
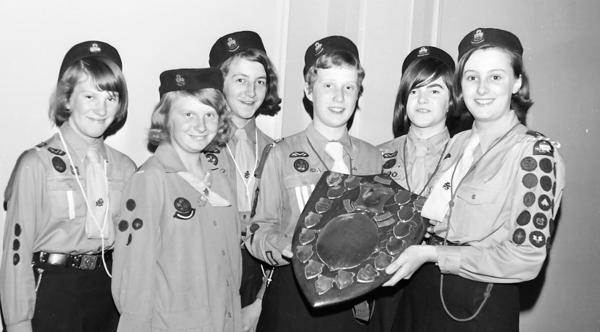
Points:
[(250, 316), (409, 261)]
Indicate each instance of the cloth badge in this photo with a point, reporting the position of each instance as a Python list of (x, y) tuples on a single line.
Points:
[(524, 218), (299, 154), (546, 165), (519, 236), (528, 164), (56, 151), (537, 239), (389, 164), (390, 155), (301, 165), (212, 159), (540, 220), (543, 148), (184, 209), (59, 164)]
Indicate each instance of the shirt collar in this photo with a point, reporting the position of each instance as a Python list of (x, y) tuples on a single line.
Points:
[(319, 141), (78, 144), (249, 127), (168, 157), (433, 143)]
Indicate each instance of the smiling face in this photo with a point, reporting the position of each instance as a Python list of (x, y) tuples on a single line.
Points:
[(92, 110), (334, 95), (488, 83), (427, 105), (192, 125), (245, 88)]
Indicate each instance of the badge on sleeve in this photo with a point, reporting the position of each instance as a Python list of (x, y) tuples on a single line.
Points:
[(543, 148)]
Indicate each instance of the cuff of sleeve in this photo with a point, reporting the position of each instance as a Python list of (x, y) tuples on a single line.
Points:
[(20, 327), (129, 323), (448, 259)]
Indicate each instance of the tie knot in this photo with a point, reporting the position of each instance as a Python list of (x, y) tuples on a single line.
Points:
[(335, 150), (93, 154), (241, 135), (421, 151)]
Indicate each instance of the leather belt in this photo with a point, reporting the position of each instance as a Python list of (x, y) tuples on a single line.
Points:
[(435, 240), (82, 262)]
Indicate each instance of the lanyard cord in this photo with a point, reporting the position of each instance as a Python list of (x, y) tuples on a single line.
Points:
[(246, 184), (453, 191), (87, 204), (320, 159), (432, 174)]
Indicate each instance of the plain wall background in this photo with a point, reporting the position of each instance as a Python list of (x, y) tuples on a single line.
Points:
[(561, 43)]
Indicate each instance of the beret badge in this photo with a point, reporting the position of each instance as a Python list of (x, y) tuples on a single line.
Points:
[(318, 48), (179, 80), (423, 51), (477, 37), (95, 48), (232, 44)]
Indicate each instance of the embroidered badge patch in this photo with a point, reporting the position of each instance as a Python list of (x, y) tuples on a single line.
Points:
[(524, 218), (519, 236), (16, 245), (254, 227), (390, 155), (529, 199), (123, 225), (544, 203), (389, 164), (301, 165), (528, 164), (298, 154), (184, 209), (543, 148), (17, 229), (540, 221), (130, 204), (537, 239), (16, 259), (137, 224), (56, 151), (546, 165), (59, 164), (546, 183), (530, 180), (212, 159)]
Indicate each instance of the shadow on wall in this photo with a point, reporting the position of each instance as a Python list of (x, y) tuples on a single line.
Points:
[(530, 290)]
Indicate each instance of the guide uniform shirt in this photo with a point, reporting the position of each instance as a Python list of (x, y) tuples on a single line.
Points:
[(47, 212), (393, 158), (177, 263), (504, 209), (221, 158), (291, 172)]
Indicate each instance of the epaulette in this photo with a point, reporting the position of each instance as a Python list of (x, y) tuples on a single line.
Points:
[(537, 136), (263, 158)]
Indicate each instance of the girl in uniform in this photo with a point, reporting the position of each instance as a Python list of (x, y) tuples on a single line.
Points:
[(424, 104), (63, 203), (177, 257), (250, 88), (493, 204)]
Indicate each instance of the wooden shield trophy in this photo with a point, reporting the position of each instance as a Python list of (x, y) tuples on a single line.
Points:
[(351, 229)]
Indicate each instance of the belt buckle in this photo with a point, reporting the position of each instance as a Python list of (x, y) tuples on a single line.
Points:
[(88, 262)]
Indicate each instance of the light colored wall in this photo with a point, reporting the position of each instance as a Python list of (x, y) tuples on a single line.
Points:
[(561, 50)]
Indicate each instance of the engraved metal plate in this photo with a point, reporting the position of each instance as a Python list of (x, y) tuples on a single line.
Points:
[(351, 229), (88, 262)]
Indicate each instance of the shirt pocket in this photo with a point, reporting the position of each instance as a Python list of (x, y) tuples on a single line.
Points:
[(300, 187), (475, 211), (66, 200)]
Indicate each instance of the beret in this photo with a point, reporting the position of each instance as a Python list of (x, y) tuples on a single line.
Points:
[(190, 80), (233, 43), (427, 52), (489, 37), (325, 46), (88, 49)]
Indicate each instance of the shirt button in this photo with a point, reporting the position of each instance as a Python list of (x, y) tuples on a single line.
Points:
[(474, 196), (229, 314), (223, 170), (244, 216), (223, 252), (215, 222), (227, 283)]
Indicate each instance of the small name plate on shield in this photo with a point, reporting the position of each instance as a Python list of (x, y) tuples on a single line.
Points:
[(351, 229)]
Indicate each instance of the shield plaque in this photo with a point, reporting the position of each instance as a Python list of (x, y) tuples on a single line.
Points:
[(351, 229)]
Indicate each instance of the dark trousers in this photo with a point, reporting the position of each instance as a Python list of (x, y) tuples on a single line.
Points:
[(73, 300), (420, 308), (285, 308), (251, 278)]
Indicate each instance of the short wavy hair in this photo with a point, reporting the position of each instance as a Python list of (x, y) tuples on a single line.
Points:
[(520, 102), (418, 74), (337, 59), (271, 105), (160, 133), (106, 75)]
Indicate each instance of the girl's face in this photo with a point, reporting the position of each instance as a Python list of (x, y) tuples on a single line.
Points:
[(193, 125), (92, 110), (488, 83), (245, 88), (427, 105)]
